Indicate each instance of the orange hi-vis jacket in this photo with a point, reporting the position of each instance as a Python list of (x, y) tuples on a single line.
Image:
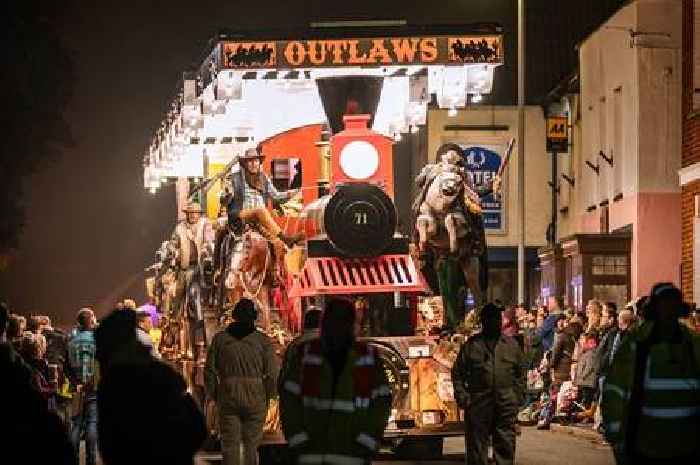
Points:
[(339, 424)]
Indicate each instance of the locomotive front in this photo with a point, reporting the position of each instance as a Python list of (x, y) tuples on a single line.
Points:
[(358, 218)]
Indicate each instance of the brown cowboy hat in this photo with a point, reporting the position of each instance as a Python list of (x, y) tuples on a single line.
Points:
[(193, 207), (250, 154)]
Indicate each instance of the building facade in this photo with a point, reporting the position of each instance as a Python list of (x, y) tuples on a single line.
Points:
[(690, 172), (619, 181)]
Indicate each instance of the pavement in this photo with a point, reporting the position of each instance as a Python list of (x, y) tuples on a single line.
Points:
[(559, 446)]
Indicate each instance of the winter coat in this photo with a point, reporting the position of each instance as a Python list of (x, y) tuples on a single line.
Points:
[(545, 334), (331, 422), (477, 369), (586, 369), (240, 371), (562, 356)]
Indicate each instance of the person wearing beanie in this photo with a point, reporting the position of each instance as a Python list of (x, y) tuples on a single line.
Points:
[(240, 375)]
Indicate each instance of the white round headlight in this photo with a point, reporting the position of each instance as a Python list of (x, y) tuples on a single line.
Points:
[(359, 159)]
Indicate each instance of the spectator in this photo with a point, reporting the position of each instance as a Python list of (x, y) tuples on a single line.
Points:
[(16, 326), (144, 326), (585, 376), (56, 358), (33, 350), (594, 311), (546, 332), (560, 363), (651, 395), (82, 369), (34, 324), (240, 374), (134, 391), (26, 420), (340, 378)]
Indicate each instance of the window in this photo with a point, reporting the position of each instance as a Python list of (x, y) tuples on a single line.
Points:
[(610, 265), (286, 173), (617, 150)]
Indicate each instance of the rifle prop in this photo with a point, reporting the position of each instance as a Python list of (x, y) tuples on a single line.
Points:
[(205, 185), (506, 157)]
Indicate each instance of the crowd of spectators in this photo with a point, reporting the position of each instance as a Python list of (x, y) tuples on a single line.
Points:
[(51, 395), (568, 354)]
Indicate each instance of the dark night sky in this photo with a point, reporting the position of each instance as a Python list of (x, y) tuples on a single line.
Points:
[(91, 227)]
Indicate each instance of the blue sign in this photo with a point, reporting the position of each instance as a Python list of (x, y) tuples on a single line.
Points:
[(482, 165)]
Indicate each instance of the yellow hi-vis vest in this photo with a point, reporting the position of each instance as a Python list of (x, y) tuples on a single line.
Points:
[(669, 420)]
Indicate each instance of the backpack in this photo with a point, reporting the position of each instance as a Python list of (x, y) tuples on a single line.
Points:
[(82, 351)]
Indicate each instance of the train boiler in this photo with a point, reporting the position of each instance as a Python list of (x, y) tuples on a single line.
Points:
[(352, 246)]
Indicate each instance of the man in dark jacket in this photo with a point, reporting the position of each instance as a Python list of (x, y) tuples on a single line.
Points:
[(146, 415), (489, 384), (240, 375)]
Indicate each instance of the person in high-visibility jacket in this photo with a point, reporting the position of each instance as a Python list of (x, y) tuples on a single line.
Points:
[(335, 399), (651, 393)]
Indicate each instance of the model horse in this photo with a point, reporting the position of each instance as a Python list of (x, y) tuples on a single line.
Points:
[(249, 271)]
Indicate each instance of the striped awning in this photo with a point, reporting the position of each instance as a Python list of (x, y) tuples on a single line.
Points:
[(333, 275)]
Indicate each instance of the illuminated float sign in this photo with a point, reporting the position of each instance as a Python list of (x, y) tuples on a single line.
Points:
[(424, 50), (482, 163)]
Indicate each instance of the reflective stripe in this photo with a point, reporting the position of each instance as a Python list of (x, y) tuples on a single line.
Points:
[(668, 384), (311, 359), (292, 387), (616, 389), (361, 402), (365, 360), (298, 439), (368, 441), (675, 412), (334, 459), (382, 390), (671, 384), (327, 404), (613, 427)]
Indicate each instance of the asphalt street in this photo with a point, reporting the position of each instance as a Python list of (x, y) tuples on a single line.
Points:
[(533, 448)]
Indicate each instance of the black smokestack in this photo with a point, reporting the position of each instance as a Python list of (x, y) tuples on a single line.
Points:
[(349, 95)]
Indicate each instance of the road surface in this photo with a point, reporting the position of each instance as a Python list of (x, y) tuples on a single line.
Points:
[(534, 448)]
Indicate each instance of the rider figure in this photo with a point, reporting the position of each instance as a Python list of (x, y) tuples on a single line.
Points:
[(248, 191), (451, 160), (192, 239)]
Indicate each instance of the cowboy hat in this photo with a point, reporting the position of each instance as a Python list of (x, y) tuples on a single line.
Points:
[(251, 153), (193, 207)]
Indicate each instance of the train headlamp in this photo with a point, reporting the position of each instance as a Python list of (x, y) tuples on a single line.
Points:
[(359, 159)]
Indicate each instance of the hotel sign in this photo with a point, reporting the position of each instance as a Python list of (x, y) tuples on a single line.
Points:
[(381, 51)]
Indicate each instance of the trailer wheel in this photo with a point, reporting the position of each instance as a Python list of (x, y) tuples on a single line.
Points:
[(429, 448)]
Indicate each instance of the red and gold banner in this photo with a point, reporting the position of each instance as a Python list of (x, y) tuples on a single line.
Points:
[(423, 50)]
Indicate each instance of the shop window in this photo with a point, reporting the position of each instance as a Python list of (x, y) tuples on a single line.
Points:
[(286, 173), (610, 265)]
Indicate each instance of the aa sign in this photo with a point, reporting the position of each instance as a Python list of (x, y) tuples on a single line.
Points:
[(557, 134)]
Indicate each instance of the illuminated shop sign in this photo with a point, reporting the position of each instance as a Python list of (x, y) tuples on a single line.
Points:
[(482, 163), (433, 50)]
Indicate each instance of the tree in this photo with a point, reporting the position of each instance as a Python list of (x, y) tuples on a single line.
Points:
[(36, 83)]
